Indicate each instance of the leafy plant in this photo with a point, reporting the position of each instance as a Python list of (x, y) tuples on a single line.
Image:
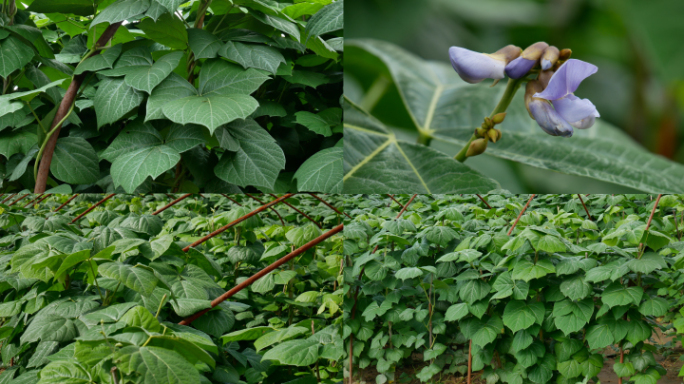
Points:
[(168, 95), (448, 284), (100, 300), (440, 109)]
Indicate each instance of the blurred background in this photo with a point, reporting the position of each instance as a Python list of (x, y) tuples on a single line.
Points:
[(638, 46)]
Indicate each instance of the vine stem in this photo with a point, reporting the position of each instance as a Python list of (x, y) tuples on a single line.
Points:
[(511, 88), (93, 207), (585, 207), (64, 109), (484, 201), (648, 225), (521, 213), (264, 272), (470, 361)]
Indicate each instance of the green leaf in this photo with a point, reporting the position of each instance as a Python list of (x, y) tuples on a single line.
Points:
[(158, 365), (64, 372), (648, 263), (575, 288), (624, 369), (104, 60), (408, 273), (50, 328), (571, 316), (314, 122), (203, 44), (135, 278), (139, 316), (246, 334), (488, 332), (369, 147), (173, 88), (15, 55), (654, 306), (278, 336), (617, 294), (278, 23), (72, 260), (550, 244), (10, 308), (210, 111), (75, 161), (456, 312), (322, 172), (526, 270), (308, 78), (131, 170), (147, 78), (253, 56), (257, 162), (120, 11), (474, 290), (300, 353), (220, 77), (329, 19), (168, 30), (599, 336), (77, 7), (170, 5), (436, 99), (521, 315), (114, 99)]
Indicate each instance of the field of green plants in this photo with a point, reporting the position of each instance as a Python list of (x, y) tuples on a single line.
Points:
[(457, 289), (109, 297)]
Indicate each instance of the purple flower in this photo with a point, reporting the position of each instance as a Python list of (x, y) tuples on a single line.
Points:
[(519, 67), (474, 67), (578, 113)]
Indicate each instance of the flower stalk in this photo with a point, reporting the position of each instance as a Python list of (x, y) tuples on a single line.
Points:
[(511, 88)]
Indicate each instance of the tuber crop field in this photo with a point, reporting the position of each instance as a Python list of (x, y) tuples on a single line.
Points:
[(583, 288), (109, 297)]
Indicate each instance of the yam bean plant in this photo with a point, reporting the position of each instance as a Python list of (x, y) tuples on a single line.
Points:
[(171, 95), (514, 289), (132, 289)]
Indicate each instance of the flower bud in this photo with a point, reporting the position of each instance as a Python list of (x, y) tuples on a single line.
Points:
[(488, 121), (532, 88), (565, 54), (481, 131), (545, 77), (499, 118), (519, 67), (549, 58), (494, 135), (477, 147)]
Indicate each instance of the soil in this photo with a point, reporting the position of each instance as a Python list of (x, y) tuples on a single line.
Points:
[(671, 363)]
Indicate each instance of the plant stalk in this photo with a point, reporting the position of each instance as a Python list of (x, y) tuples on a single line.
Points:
[(511, 88)]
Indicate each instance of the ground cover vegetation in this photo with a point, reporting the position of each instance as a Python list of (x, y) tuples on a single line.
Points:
[(514, 288), (113, 294)]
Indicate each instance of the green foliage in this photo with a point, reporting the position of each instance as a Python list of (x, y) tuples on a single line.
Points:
[(217, 88), (77, 300), (538, 306)]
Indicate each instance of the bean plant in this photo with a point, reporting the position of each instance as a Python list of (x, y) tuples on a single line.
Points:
[(451, 284), (170, 95), (100, 300)]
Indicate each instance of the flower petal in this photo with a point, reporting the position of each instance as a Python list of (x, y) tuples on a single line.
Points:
[(566, 79), (519, 67), (474, 67), (572, 108), (585, 123), (548, 119)]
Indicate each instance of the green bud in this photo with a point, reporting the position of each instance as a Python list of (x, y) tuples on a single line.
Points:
[(488, 122), (477, 147), (499, 118), (481, 131), (494, 135)]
